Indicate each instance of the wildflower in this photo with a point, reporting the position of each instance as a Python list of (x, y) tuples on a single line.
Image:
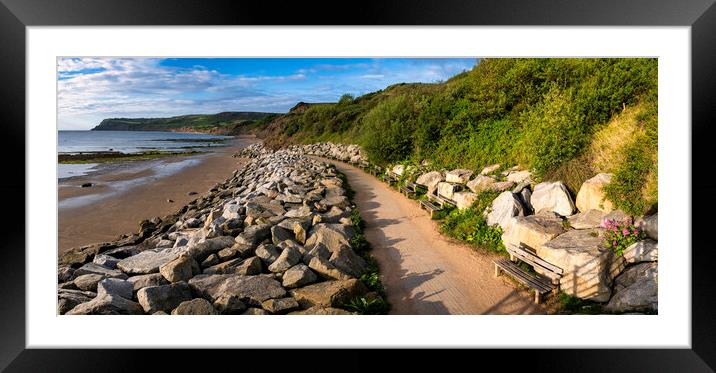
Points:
[(625, 232), (614, 243)]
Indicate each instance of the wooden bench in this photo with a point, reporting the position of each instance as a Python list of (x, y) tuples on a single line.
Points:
[(407, 191), (391, 177), (443, 200), (429, 206), (416, 187), (546, 281)]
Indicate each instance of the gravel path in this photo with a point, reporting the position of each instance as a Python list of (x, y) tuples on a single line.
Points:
[(423, 271)]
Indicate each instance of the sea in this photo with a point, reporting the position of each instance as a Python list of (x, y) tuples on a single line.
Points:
[(125, 142), (131, 141)]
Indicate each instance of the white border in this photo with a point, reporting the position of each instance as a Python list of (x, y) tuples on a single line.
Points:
[(670, 328)]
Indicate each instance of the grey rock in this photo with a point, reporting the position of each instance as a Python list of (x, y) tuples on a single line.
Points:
[(268, 253), (587, 220), (254, 234), (636, 289), (280, 306), (65, 273), (198, 306), (92, 268), (251, 290), (288, 258), (298, 275), (642, 251), (324, 268), (229, 305), (107, 304), (552, 196), (163, 298), (650, 225), (347, 261), (318, 310), (106, 260), (69, 299), (329, 293), (143, 281), (279, 234), (255, 311), (145, 262), (504, 210), (179, 269), (88, 282), (115, 286), (202, 250), (211, 260)]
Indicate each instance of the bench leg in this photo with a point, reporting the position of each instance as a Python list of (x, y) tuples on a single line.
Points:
[(538, 297), (497, 270)]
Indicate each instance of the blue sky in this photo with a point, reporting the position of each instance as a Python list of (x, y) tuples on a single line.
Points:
[(91, 89)]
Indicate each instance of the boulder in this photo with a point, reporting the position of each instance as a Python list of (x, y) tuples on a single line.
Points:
[(464, 200), (459, 176), (589, 266), (447, 190), (636, 290), (504, 209), (347, 261), (197, 306), (430, 180), (327, 270), (552, 196), (619, 216), (255, 311), (650, 225), (298, 275), (143, 281), (336, 201), (163, 298), (105, 260), (533, 230), (642, 251), (280, 306), (202, 250), (268, 253), (89, 281), (252, 290), (65, 273), (481, 183), (226, 254), (288, 258), (254, 234), (502, 186), (179, 269), (518, 176), (299, 227), (211, 260), (107, 304), (69, 299), (92, 268), (223, 268), (301, 212), (329, 293), (279, 234), (115, 286), (587, 220), (321, 311), (332, 236), (229, 305), (398, 169), (489, 169), (591, 195), (145, 262)]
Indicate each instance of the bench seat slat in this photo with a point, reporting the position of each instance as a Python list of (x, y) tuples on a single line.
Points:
[(523, 277), (530, 258)]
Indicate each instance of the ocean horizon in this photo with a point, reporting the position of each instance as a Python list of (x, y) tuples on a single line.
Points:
[(76, 141)]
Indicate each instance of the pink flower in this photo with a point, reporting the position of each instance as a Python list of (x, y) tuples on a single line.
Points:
[(625, 232), (614, 243)]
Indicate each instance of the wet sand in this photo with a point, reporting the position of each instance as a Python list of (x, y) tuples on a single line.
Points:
[(125, 194)]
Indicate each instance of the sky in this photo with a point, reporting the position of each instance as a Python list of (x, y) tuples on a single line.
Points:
[(92, 89)]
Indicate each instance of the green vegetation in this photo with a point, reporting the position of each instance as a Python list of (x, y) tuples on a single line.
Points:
[(371, 277), (469, 225), (564, 118), (568, 304), (113, 157), (224, 123), (619, 236)]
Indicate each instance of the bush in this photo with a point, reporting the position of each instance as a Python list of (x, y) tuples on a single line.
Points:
[(469, 225), (366, 306), (619, 236)]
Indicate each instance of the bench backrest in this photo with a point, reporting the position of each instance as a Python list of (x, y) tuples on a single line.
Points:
[(523, 253)]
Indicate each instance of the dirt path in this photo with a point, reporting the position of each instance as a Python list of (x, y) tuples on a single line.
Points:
[(423, 271)]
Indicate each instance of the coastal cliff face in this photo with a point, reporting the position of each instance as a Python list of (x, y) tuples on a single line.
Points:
[(221, 123)]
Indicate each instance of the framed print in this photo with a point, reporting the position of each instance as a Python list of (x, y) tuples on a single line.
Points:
[(447, 175)]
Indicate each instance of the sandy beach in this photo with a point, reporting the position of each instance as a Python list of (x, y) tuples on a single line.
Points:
[(125, 193)]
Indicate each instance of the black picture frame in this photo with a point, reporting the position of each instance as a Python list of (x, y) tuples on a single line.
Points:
[(16, 15)]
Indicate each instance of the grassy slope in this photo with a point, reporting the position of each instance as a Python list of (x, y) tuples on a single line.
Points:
[(565, 119), (216, 123)]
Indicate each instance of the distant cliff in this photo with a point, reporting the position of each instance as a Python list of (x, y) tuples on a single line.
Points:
[(221, 123)]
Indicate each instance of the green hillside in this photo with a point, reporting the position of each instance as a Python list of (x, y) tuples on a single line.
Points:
[(223, 123), (565, 119)]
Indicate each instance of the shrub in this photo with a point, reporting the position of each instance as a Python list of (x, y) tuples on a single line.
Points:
[(365, 306), (469, 225)]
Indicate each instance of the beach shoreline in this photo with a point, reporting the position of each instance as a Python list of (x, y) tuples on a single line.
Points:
[(124, 193)]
